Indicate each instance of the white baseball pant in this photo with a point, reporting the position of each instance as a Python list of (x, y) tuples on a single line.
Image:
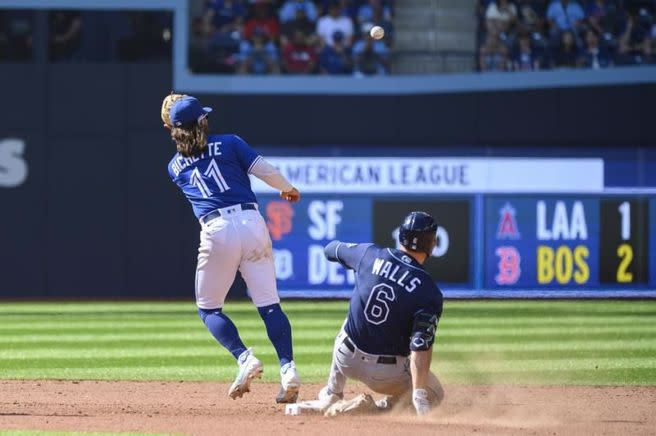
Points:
[(237, 240)]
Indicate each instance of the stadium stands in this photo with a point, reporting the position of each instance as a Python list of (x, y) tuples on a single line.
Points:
[(526, 35), (290, 37), (330, 37)]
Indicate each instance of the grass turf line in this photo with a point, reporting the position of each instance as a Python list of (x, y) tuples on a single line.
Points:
[(545, 342)]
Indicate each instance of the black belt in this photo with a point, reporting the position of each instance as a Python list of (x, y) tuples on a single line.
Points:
[(385, 360), (217, 213)]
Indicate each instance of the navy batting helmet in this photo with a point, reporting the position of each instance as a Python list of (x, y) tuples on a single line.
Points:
[(417, 232)]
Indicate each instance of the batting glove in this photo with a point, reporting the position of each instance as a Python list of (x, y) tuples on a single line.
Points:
[(420, 401)]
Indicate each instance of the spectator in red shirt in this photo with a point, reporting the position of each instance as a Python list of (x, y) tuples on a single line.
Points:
[(264, 20), (298, 57)]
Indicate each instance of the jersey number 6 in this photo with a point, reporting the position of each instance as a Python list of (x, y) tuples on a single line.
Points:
[(377, 309)]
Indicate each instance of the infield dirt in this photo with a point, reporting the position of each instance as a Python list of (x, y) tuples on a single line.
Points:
[(204, 408)]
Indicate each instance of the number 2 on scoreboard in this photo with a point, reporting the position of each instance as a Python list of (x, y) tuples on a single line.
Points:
[(625, 251)]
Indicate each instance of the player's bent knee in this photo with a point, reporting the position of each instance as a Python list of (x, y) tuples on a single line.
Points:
[(265, 300), (204, 313)]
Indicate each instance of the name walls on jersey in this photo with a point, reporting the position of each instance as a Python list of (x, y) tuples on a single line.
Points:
[(378, 175), (13, 167), (324, 219), (392, 272)]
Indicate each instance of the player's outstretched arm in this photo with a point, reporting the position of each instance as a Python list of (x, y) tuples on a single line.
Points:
[(270, 175), (330, 250), (349, 255)]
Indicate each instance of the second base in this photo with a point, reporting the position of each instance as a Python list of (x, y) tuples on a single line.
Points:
[(313, 406)]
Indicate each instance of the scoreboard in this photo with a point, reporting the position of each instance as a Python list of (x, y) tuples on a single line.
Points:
[(564, 245), (569, 242)]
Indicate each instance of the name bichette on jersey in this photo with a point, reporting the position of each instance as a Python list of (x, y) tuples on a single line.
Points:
[(390, 271), (180, 162)]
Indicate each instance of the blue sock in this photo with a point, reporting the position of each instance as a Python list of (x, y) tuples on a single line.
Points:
[(223, 330), (279, 331)]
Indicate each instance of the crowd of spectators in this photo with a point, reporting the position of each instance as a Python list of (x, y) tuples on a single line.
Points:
[(527, 35), (291, 37)]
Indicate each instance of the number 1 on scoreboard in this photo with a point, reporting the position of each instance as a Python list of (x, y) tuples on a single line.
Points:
[(625, 211), (625, 251)]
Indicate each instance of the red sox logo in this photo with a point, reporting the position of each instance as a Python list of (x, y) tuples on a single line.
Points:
[(509, 265)]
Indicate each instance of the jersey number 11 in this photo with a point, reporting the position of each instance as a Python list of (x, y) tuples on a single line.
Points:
[(212, 172)]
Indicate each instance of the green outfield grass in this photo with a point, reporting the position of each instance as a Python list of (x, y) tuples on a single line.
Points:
[(546, 342)]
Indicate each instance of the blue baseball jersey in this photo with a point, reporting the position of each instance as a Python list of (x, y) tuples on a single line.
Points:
[(391, 291), (218, 177)]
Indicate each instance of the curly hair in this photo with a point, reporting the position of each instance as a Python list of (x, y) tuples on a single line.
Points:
[(190, 141)]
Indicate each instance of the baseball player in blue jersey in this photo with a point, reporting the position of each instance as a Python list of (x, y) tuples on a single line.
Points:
[(212, 171), (386, 341)]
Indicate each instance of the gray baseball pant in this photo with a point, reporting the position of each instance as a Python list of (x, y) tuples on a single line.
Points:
[(392, 379)]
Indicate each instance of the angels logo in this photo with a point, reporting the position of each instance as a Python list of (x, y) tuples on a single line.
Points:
[(507, 228)]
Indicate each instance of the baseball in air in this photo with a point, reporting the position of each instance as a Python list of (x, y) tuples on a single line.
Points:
[(377, 32)]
